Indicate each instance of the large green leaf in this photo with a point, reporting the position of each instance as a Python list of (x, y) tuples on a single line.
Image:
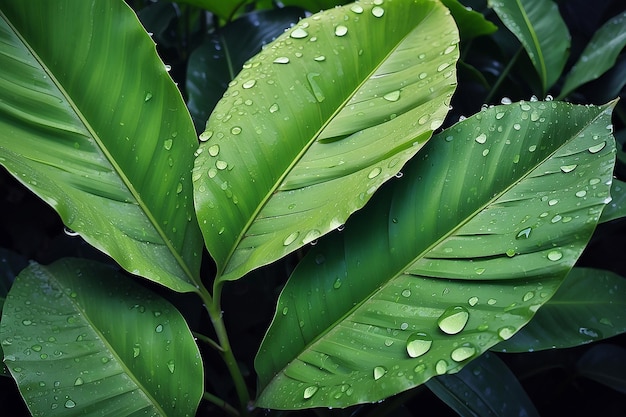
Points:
[(484, 388), (449, 260), (81, 339), (91, 122), (599, 55), (541, 29), (589, 306), (316, 122)]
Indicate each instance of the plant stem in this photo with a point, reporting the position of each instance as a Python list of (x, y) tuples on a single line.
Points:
[(221, 404), (503, 75), (213, 306), (208, 341)]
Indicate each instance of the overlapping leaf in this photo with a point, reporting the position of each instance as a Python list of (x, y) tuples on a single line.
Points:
[(81, 339), (91, 122), (540, 28), (320, 119), (451, 259)]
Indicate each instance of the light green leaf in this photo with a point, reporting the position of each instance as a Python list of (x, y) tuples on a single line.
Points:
[(81, 339), (486, 387), (599, 55), (616, 209), (444, 263), (541, 29), (91, 122), (589, 306), (316, 122)]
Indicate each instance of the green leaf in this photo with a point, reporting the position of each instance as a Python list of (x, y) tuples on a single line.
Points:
[(471, 24), (224, 9), (80, 338), (485, 387), (10, 265), (616, 209), (216, 62), (316, 122), (599, 55), (605, 364), (99, 131), (541, 29), (444, 263), (589, 306)]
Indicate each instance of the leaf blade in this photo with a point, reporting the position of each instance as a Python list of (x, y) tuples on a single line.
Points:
[(431, 255), (332, 140), (109, 152)]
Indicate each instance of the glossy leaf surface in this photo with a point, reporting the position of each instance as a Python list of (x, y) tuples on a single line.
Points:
[(616, 209), (99, 131), (81, 339), (540, 28), (484, 388), (316, 122), (444, 263), (589, 306), (599, 55)]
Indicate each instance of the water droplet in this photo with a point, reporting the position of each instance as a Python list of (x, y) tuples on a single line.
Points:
[(524, 233), (556, 219), (479, 271), (528, 296), (510, 253), (311, 236), (441, 367), (70, 404), (356, 8), (379, 372), (179, 188), (482, 138), (320, 58), (393, 96), (419, 368), (299, 33), (248, 84), (171, 366), (79, 381), (472, 301), (485, 152), (317, 90), (281, 60), (36, 348), (449, 49), (337, 284), (291, 238), (492, 301), (374, 173), (212, 172), (532, 148), (463, 352), (310, 391), (167, 144), (206, 135), (418, 344), (378, 11), (136, 350), (554, 255), (274, 108), (499, 115), (517, 126), (597, 148), (406, 293), (148, 96), (581, 193), (158, 328), (235, 130), (27, 322), (221, 165), (285, 311), (568, 168), (506, 332), (404, 326), (341, 30), (453, 319)]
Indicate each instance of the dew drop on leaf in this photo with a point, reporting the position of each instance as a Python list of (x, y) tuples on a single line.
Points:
[(453, 319), (290, 238), (524, 233), (554, 255), (482, 138), (597, 148), (463, 352), (441, 367), (392, 96), (341, 30), (281, 60), (206, 135), (356, 8), (374, 173), (379, 372), (506, 332), (310, 391), (378, 11), (418, 344), (299, 33)]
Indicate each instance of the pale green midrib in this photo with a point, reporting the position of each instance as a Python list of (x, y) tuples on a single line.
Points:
[(533, 35), (429, 248), (300, 155), (107, 154), (104, 341)]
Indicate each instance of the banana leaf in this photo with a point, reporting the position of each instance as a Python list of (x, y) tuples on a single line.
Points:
[(91, 122), (445, 262), (316, 122)]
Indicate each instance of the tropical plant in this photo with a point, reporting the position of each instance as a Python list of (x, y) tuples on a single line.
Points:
[(420, 244)]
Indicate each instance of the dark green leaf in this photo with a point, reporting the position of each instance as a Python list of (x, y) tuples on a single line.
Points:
[(616, 209), (485, 387), (316, 122), (446, 262), (590, 305), (91, 122), (471, 24), (605, 364), (541, 29), (81, 339)]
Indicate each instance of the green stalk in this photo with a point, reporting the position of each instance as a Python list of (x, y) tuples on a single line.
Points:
[(213, 306), (221, 404)]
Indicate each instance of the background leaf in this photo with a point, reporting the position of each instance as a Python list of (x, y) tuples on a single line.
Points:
[(451, 259), (540, 28), (599, 55), (100, 132), (616, 209), (80, 338), (321, 118), (471, 24), (216, 62), (605, 364), (485, 387), (589, 306)]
